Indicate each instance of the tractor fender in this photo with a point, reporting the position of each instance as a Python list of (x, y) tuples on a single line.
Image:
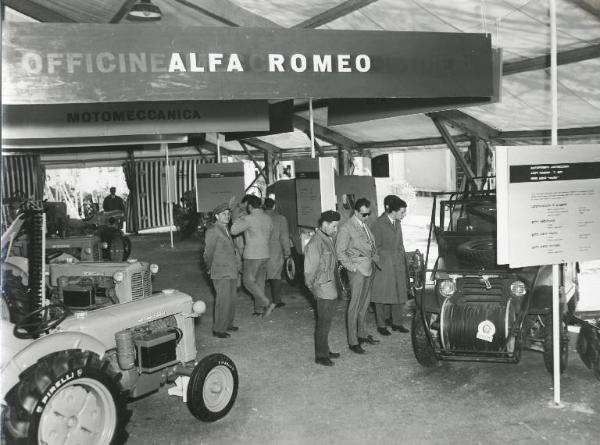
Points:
[(34, 350), (19, 267)]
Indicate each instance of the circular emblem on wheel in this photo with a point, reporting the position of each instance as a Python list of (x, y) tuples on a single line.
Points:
[(486, 331)]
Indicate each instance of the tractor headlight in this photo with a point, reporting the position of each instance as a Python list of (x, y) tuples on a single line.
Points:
[(447, 288), (154, 268), (118, 277), (104, 245), (199, 307), (88, 250), (518, 288)]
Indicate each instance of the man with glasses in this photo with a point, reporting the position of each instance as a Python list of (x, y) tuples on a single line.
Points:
[(355, 249)]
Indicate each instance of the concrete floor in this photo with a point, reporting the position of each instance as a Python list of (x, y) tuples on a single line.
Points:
[(381, 397)]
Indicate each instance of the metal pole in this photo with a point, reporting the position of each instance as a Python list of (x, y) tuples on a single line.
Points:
[(169, 203), (311, 119), (218, 148), (556, 328)]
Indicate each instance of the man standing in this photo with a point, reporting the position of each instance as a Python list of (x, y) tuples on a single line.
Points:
[(279, 249), (355, 248), (320, 262), (113, 202), (390, 284), (256, 227), (222, 262)]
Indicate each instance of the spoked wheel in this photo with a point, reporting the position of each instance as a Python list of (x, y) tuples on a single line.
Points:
[(549, 348), (212, 388), (69, 397)]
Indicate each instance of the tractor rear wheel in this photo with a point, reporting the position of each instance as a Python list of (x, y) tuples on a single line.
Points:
[(116, 248), (67, 397)]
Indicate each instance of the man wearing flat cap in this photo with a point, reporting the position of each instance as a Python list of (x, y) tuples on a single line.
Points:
[(223, 264)]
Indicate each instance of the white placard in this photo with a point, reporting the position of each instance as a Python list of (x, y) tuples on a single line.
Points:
[(548, 204)]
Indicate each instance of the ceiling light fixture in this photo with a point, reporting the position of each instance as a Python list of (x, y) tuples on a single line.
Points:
[(144, 11)]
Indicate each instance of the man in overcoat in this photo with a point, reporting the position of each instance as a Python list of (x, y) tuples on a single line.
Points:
[(390, 283), (223, 263), (279, 250), (355, 249)]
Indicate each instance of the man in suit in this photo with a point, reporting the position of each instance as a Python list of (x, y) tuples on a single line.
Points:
[(113, 202), (355, 248), (256, 227), (279, 250), (390, 284), (222, 262)]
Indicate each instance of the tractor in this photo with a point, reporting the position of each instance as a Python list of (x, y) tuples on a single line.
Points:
[(99, 337)]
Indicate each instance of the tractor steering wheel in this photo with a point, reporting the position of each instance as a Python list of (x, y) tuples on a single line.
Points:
[(30, 327)]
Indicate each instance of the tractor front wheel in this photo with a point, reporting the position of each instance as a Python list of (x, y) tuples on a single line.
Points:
[(549, 348), (212, 388)]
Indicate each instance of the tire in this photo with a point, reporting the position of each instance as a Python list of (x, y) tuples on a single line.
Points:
[(116, 248), (420, 342), (588, 347), (16, 296), (548, 346), (126, 247), (292, 268), (478, 252), (212, 388), (57, 399)]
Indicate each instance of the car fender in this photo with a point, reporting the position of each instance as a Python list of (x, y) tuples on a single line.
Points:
[(36, 349)]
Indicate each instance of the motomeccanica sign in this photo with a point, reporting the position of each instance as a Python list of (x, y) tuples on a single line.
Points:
[(48, 63)]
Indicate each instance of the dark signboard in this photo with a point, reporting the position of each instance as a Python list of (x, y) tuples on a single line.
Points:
[(90, 63)]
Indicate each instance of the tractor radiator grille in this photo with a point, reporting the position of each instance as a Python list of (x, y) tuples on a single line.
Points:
[(141, 285), (476, 287)]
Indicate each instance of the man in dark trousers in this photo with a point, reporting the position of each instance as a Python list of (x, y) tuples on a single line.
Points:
[(256, 227), (390, 284), (320, 262), (279, 250), (223, 263), (113, 202), (355, 248)]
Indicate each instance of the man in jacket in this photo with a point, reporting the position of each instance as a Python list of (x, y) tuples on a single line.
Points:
[(355, 248), (320, 262), (256, 227), (222, 262), (113, 202), (279, 250), (390, 284)]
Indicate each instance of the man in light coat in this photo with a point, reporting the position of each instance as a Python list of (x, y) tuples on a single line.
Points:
[(355, 248), (390, 284), (222, 262), (320, 262), (256, 227), (279, 250)]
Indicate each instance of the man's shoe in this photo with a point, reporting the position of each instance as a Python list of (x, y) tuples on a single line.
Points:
[(368, 339), (323, 361), (233, 328), (383, 331), (280, 304), (334, 355), (268, 310), (221, 334), (399, 327), (357, 349)]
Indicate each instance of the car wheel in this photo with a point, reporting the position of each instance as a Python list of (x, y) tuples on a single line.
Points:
[(420, 342), (212, 388), (292, 268), (549, 348), (67, 397), (478, 252)]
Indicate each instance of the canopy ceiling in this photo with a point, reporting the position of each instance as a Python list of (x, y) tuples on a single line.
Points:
[(519, 27)]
